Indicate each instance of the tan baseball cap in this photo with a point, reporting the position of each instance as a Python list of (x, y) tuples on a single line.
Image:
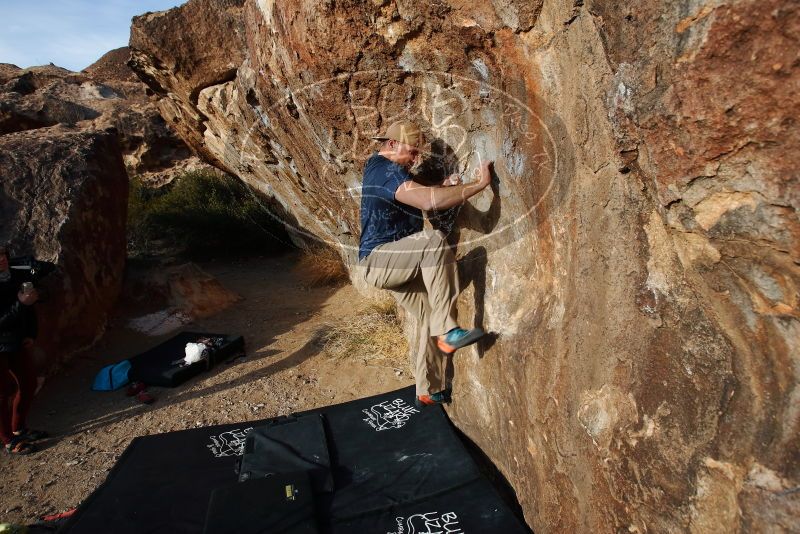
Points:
[(404, 131)]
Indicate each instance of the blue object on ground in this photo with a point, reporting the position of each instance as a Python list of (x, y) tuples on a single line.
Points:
[(112, 377)]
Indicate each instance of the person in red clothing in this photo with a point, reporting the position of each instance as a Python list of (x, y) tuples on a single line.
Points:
[(18, 329)]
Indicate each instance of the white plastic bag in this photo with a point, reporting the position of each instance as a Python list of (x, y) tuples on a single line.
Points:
[(194, 352)]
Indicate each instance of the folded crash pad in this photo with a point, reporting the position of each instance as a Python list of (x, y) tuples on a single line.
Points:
[(287, 445), (395, 468), (163, 365)]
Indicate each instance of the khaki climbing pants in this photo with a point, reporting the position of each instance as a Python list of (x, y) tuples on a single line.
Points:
[(420, 271)]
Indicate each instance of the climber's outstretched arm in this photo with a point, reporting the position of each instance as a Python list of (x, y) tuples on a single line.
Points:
[(440, 198)]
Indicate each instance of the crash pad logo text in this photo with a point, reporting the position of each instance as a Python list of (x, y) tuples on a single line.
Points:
[(389, 414), (230, 443), (429, 523)]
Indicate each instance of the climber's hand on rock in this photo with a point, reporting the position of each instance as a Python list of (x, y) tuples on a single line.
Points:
[(485, 174), (453, 179)]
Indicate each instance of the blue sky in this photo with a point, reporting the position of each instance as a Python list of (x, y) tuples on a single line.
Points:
[(70, 33)]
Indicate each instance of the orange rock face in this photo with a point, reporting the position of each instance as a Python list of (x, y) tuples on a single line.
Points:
[(198, 293), (637, 257)]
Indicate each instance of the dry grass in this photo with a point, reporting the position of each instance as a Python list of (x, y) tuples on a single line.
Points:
[(321, 266), (375, 336)]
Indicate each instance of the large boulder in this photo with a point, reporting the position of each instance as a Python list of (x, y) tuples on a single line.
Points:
[(105, 95), (637, 258), (67, 205)]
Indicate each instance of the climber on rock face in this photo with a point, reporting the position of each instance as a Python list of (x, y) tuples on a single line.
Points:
[(416, 265)]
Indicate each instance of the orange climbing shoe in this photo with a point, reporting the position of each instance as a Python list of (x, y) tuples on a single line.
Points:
[(443, 397)]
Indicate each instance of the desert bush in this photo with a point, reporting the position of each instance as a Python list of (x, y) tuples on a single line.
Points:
[(321, 266), (200, 214), (375, 335)]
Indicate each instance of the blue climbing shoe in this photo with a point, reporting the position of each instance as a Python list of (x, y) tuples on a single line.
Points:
[(457, 338)]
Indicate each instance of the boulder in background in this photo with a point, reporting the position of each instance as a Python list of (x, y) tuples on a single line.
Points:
[(63, 199)]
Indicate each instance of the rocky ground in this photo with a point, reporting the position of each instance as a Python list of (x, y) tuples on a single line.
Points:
[(286, 370)]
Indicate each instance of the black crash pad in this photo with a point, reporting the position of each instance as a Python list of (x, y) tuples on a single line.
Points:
[(287, 445), (279, 504), (394, 468), (163, 364)]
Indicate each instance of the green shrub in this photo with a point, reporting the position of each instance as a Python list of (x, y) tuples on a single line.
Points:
[(200, 214)]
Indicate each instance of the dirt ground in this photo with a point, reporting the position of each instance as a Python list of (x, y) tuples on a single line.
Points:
[(285, 371)]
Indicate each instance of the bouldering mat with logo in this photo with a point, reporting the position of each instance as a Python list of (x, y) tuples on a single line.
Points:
[(163, 482), (395, 468)]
